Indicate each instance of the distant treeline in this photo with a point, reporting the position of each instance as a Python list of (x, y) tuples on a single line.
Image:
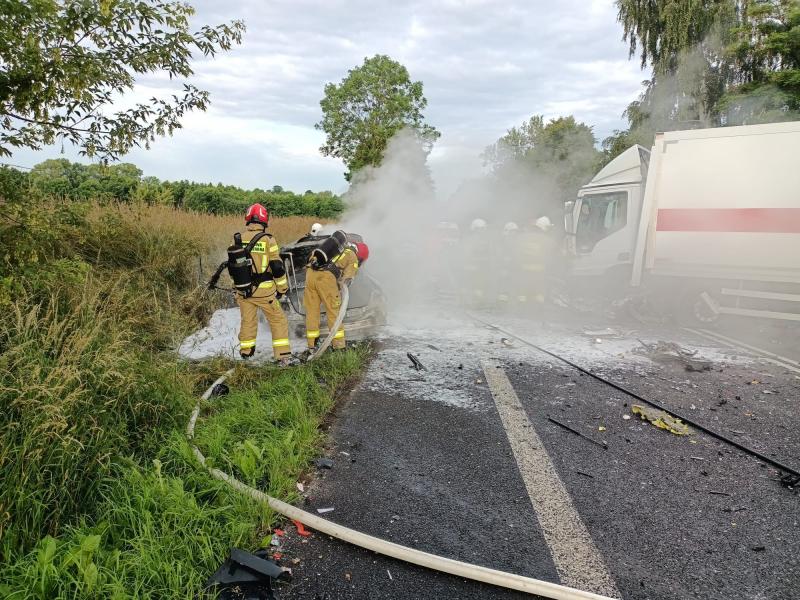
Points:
[(125, 183)]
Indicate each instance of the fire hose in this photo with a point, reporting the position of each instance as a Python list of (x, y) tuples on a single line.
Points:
[(344, 293), (657, 405), (411, 555)]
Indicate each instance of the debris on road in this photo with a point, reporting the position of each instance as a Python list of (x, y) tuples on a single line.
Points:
[(661, 419), (578, 433), (301, 530), (432, 347), (670, 352), (601, 333), (585, 474), (390, 575), (327, 509), (790, 481), (507, 342), (246, 575), (626, 417), (323, 463), (415, 362), (300, 487)]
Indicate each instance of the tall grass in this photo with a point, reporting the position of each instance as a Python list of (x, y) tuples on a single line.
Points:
[(162, 527), (99, 494)]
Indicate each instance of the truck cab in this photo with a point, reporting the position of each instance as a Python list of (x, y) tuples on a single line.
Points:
[(603, 222)]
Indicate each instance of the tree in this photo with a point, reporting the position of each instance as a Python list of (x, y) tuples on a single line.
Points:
[(364, 111), (63, 63), (561, 153), (715, 62)]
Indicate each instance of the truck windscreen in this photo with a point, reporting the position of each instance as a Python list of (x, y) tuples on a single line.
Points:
[(601, 215)]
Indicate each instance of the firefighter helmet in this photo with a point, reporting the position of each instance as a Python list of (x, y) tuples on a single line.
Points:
[(316, 228), (257, 214), (509, 228), (543, 223), (478, 225), (362, 252)]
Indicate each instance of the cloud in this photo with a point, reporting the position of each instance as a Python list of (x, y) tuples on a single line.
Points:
[(486, 65)]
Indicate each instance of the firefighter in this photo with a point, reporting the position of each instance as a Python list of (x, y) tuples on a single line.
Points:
[(507, 249), (335, 261), (268, 283), (312, 234), (476, 264), (534, 257)]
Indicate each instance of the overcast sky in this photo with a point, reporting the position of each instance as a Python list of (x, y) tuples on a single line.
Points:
[(486, 65)]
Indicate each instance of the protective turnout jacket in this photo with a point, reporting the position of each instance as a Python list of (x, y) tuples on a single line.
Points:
[(267, 264)]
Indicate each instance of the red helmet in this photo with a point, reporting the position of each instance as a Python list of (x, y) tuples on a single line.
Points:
[(362, 252), (257, 214)]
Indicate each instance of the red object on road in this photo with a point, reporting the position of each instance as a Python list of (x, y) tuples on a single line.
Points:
[(301, 530), (279, 532)]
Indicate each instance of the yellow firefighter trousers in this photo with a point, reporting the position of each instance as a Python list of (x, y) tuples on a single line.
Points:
[(321, 287), (278, 325)]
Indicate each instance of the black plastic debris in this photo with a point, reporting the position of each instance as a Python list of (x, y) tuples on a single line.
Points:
[(220, 390), (323, 463), (790, 480), (246, 576), (415, 362)]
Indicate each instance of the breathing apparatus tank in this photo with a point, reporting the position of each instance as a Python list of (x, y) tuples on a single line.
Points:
[(329, 249), (240, 264)]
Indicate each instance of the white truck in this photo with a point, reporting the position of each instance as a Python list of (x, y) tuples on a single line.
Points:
[(708, 219)]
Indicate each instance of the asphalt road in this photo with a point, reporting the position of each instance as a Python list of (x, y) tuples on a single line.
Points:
[(438, 460)]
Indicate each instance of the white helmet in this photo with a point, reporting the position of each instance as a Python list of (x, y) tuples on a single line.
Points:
[(509, 228), (316, 228), (478, 225), (543, 223)]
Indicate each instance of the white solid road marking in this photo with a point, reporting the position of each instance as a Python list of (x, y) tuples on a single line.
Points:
[(777, 359), (577, 560)]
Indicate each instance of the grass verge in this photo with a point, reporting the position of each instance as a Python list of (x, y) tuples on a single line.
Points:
[(100, 496), (162, 526)]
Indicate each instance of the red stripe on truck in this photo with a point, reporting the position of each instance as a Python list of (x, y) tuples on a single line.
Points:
[(730, 220)]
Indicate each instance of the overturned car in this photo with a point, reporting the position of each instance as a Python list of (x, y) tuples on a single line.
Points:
[(366, 309)]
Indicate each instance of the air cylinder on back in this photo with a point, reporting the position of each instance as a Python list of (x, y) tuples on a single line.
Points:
[(240, 268), (327, 250)]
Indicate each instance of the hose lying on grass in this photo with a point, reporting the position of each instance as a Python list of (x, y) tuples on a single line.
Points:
[(411, 555)]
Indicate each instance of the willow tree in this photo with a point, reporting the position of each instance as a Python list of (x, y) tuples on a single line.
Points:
[(714, 62)]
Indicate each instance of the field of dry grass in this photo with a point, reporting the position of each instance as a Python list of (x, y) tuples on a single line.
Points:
[(218, 231)]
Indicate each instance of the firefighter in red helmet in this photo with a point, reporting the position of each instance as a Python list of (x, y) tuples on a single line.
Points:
[(261, 291)]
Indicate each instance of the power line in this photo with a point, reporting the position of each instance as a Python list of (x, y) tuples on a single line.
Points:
[(16, 166)]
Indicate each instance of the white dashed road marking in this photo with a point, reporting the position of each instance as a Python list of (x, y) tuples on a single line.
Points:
[(577, 559)]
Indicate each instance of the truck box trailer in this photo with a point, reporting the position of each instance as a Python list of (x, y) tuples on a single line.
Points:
[(708, 217)]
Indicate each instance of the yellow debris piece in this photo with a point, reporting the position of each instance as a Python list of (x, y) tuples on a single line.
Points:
[(661, 419)]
